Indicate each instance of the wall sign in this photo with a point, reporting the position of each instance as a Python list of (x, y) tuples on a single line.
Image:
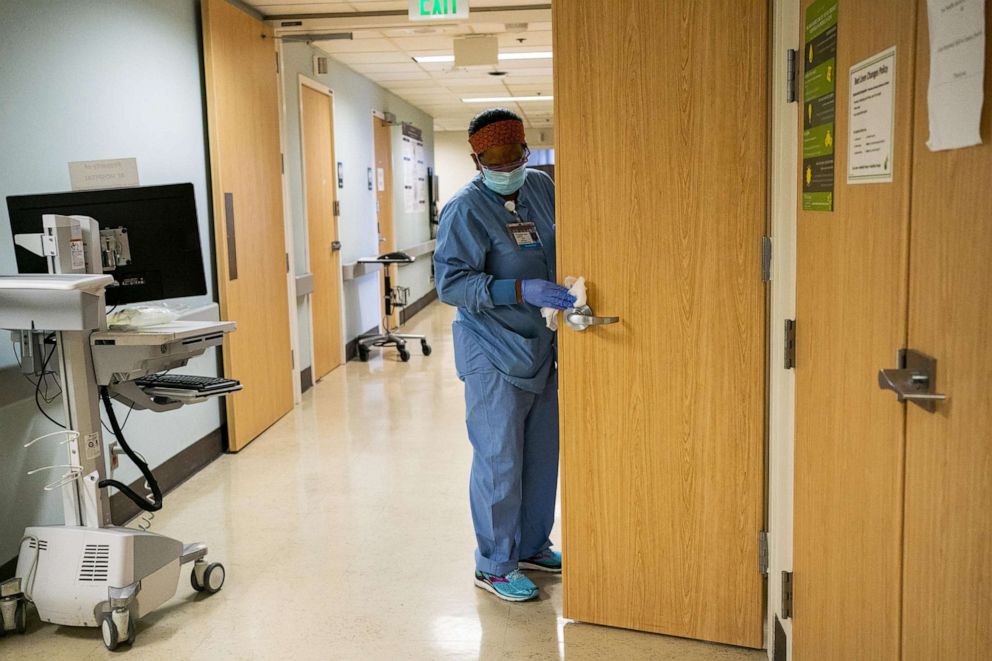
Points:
[(819, 105), (434, 10), (110, 173), (871, 120)]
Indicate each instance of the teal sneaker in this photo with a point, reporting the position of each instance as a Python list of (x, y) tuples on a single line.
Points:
[(547, 560), (512, 587)]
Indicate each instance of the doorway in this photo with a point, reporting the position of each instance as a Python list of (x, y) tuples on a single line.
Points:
[(321, 208), (383, 182)]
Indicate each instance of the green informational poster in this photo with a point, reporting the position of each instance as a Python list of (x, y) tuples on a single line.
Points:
[(819, 105)]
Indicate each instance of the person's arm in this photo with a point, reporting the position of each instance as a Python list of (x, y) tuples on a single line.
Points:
[(459, 264)]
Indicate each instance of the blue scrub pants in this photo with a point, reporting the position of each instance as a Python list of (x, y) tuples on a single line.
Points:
[(514, 469)]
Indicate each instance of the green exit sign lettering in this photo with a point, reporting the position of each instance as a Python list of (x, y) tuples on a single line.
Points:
[(434, 10)]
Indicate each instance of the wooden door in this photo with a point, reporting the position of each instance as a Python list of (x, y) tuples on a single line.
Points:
[(850, 321), (246, 190), (317, 121), (947, 595), (382, 133), (661, 172)]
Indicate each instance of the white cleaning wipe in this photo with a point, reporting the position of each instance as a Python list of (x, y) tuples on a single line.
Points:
[(577, 288)]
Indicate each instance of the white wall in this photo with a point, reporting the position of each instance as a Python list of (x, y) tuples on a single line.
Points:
[(454, 163), (355, 97), (81, 81)]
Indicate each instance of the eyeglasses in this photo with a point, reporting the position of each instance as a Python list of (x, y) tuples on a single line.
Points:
[(509, 167)]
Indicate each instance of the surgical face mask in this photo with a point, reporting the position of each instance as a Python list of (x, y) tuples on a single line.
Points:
[(505, 183)]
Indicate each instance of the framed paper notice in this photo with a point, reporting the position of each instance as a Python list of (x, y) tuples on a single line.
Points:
[(871, 120)]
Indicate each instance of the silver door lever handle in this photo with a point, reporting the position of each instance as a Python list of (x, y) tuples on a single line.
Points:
[(913, 381), (582, 318)]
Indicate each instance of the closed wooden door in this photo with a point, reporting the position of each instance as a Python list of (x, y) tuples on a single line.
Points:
[(246, 189), (947, 595), (850, 321), (317, 121), (661, 173), (382, 134), (893, 546)]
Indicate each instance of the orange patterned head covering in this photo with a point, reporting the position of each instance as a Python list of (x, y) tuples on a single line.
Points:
[(505, 132)]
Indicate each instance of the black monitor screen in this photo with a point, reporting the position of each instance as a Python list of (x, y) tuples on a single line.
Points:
[(164, 237)]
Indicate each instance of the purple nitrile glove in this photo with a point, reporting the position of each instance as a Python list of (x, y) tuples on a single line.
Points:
[(544, 294)]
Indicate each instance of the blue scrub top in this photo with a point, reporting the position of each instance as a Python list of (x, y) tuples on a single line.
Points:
[(476, 260)]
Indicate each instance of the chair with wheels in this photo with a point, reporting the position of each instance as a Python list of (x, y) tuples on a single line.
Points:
[(395, 297)]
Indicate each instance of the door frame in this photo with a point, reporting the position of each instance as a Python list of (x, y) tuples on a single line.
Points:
[(290, 233), (305, 81), (783, 192)]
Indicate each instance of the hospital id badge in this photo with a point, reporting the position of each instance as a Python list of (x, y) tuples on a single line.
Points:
[(525, 235)]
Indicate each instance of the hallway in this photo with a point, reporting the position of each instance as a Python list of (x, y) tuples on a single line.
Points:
[(346, 534)]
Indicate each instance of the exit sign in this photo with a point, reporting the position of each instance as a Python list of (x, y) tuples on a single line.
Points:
[(435, 10)]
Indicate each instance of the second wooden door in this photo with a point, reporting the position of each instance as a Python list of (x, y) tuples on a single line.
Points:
[(322, 228)]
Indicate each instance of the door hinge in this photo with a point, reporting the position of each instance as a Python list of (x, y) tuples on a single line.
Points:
[(282, 163), (277, 62), (763, 552), (766, 259), (786, 595), (292, 359), (337, 208), (790, 75), (790, 344), (287, 262)]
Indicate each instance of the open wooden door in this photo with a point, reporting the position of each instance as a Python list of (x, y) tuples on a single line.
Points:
[(317, 122), (382, 134), (246, 190), (947, 595), (661, 149)]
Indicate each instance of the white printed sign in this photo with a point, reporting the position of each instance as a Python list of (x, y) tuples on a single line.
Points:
[(872, 108), (957, 72), (111, 173)]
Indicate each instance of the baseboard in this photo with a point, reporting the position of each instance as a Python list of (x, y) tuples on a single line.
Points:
[(351, 349), (410, 311), (306, 379), (171, 474)]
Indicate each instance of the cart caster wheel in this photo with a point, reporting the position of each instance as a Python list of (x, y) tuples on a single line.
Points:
[(425, 348), (213, 578), (404, 355), (21, 617), (109, 632), (132, 631), (3, 626), (363, 354)]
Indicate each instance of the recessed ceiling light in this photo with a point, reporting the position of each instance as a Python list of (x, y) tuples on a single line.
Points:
[(543, 55), (506, 99), (431, 59), (434, 59)]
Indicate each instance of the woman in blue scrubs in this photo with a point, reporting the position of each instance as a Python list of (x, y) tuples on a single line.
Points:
[(495, 262)]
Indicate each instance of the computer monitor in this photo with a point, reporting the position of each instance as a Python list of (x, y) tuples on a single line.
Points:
[(164, 237)]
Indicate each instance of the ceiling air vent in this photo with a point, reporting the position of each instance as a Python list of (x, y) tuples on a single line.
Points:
[(319, 65)]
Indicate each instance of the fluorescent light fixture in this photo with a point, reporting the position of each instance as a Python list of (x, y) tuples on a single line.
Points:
[(526, 56), (436, 59), (507, 99), (433, 59)]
